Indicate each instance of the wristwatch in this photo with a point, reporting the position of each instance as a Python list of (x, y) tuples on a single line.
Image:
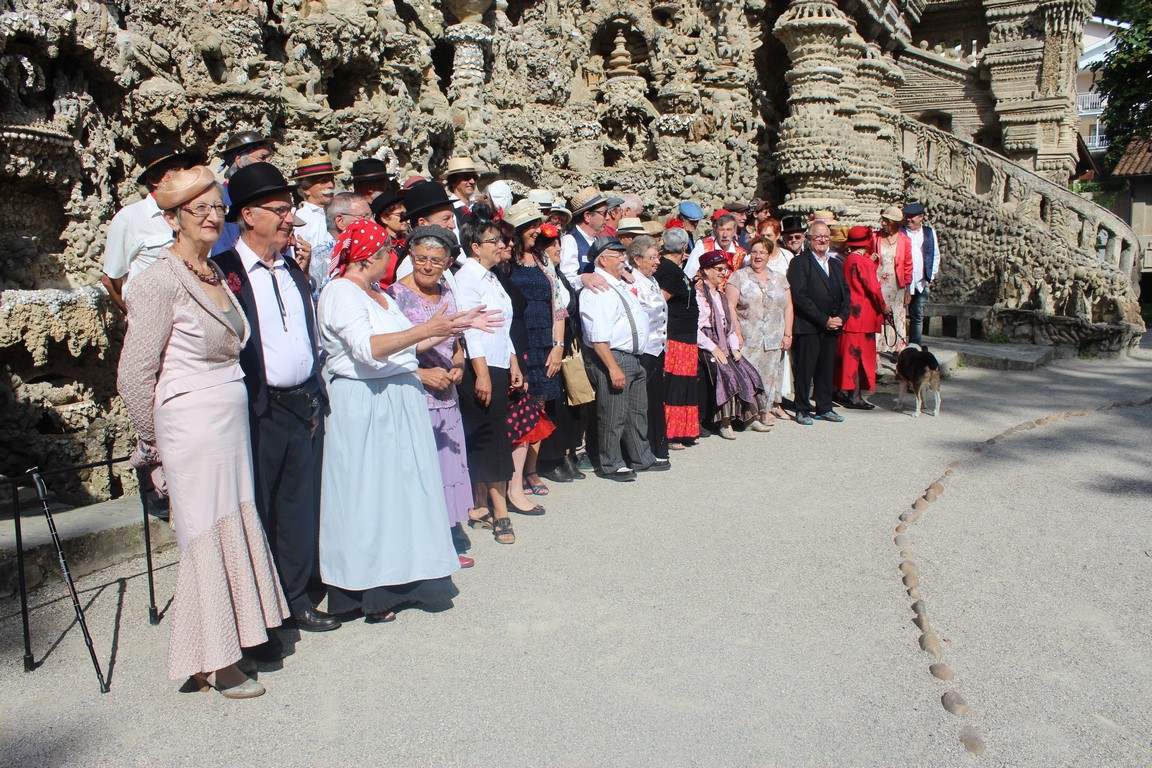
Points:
[(558, 343)]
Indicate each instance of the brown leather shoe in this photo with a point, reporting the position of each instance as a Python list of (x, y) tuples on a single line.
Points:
[(316, 620)]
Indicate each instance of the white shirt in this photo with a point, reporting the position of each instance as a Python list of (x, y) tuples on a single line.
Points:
[(615, 316), (656, 307), (135, 237), (917, 237), (779, 265), (570, 261), (284, 338), (692, 263), (315, 230), (348, 319), (823, 261), (475, 286)]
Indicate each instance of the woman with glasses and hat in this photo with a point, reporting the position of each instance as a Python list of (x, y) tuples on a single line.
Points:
[(856, 348), (389, 212), (738, 389), (383, 538), (491, 373), (893, 250), (420, 295), (181, 381)]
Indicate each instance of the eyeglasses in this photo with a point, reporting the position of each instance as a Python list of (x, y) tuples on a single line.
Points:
[(280, 211), (434, 261), (819, 237), (202, 210), (356, 216), (497, 240), (600, 211)]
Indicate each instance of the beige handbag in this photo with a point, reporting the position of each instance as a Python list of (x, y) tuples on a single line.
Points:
[(576, 380)]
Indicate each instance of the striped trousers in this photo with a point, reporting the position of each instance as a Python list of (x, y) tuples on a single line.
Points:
[(621, 414)]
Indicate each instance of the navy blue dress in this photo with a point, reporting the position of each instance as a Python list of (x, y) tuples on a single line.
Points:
[(536, 320)]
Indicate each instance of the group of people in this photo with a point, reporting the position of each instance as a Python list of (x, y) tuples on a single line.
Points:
[(328, 390)]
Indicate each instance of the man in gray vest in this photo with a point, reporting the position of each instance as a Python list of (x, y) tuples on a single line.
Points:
[(589, 208)]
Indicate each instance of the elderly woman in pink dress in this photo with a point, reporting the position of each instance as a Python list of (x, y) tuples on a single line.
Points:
[(181, 381)]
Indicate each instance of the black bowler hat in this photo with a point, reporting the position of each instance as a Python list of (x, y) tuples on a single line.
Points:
[(253, 182), (384, 200), (165, 151), (790, 224), (369, 169), (422, 198)]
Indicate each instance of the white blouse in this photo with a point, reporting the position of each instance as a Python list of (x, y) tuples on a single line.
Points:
[(656, 307), (476, 286), (348, 319)]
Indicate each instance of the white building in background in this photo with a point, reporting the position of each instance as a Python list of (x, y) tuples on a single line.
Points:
[(1099, 39)]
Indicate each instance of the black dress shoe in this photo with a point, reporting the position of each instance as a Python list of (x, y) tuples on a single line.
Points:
[(315, 620), (863, 405), (621, 475), (267, 652), (660, 465), (573, 468), (557, 474)]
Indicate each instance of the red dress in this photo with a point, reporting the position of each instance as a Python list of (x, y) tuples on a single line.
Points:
[(856, 349)]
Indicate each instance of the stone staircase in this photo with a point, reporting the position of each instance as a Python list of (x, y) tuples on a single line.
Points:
[(1055, 268)]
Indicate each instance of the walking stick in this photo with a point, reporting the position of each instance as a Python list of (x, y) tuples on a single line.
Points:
[(29, 659), (153, 616), (42, 495)]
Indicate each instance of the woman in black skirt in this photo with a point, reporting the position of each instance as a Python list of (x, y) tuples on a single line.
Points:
[(681, 360), (490, 374)]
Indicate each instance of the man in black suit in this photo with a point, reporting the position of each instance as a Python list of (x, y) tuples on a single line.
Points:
[(281, 365), (820, 301)]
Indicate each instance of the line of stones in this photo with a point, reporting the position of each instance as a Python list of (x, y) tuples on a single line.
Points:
[(952, 701)]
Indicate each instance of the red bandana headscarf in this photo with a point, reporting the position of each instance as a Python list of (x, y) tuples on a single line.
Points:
[(359, 242)]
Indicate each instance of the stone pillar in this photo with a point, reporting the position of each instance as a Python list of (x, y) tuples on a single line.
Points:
[(469, 39), (807, 154)]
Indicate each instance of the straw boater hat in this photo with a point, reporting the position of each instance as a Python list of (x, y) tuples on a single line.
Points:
[(183, 186), (164, 152), (586, 199), (459, 165), (522, 213), (828, 217), (653, 228), (317, 165), (893, 214), (630, 226)]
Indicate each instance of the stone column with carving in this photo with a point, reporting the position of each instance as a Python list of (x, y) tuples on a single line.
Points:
[(470, 38), (1063, 34), (809, 155)]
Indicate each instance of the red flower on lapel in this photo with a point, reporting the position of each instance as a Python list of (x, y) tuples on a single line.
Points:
[(233, 281)]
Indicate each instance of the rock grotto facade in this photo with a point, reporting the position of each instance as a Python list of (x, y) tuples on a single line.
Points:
[(851, 105)]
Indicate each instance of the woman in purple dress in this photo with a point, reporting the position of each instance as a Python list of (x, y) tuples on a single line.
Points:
[(420, 295)]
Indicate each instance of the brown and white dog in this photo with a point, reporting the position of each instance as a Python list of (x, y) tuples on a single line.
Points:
[(917, 370)]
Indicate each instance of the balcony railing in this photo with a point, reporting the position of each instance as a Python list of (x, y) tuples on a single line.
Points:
[(1090, 102), (1096, 141)]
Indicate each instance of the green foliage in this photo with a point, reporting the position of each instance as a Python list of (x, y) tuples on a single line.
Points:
[(998, 338), (1103, 193), (1125, 78)]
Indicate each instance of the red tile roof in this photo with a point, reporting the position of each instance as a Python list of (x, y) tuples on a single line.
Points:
[(1136, 160)]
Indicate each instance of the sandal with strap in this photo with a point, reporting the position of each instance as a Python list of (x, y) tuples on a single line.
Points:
[(534, 489), (502, 531), (485, 521)]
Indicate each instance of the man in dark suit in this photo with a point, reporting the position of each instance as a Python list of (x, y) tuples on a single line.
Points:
[(820, 302), (281, 365)]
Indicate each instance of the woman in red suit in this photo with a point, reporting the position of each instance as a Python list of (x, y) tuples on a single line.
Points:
[(856, 349)]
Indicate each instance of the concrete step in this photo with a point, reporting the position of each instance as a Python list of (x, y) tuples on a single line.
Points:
[(94, 537), (982, 354)]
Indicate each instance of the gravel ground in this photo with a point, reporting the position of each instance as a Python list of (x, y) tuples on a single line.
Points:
[(744, 609)]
